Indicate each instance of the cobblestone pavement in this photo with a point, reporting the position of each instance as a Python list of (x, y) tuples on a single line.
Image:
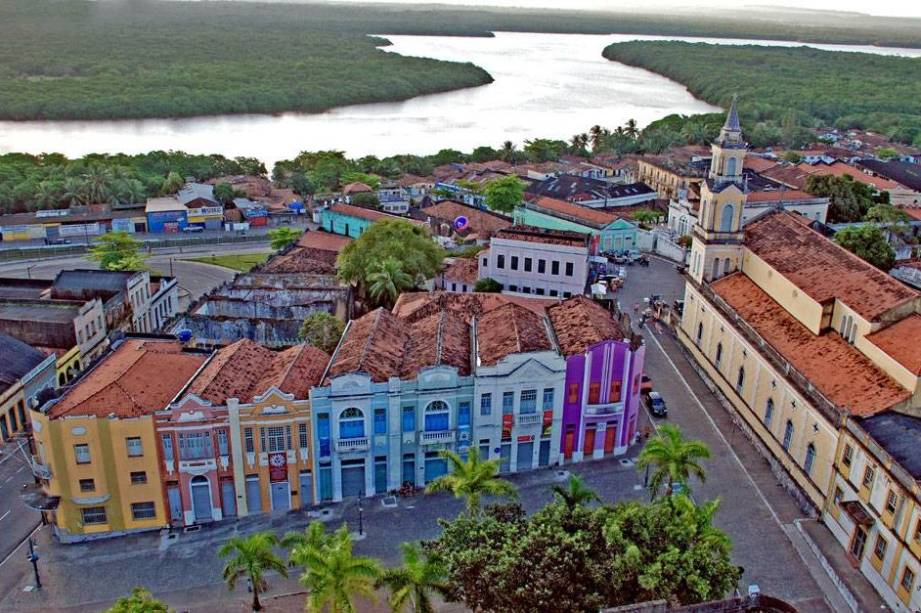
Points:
[(185, 571)]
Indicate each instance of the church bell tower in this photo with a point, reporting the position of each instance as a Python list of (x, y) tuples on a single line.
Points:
[(716, 247)]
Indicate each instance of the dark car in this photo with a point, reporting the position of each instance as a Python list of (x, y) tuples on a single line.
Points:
[(56, 241), (657, 405)]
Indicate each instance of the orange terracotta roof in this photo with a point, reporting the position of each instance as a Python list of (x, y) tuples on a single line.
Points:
[(839, 371), (787, 195), (758, 164), (440, 338), (465, 270), (839, 169), (900, 342), (579, 323), (374, 344), (139, 377), (593, 217), (510, 329), (483, 223), (363, 213), (303, 260), (411, 306), (247, 369), (325, 241), (822, 269), (356, 188), (912, 211)]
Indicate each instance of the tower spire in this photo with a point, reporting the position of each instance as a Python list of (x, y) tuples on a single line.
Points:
[(732, 119)]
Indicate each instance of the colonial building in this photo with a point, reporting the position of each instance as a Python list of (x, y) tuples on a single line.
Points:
[(24, 373), (610, 229)]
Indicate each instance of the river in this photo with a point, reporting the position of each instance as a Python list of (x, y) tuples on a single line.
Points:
[(546, 85)]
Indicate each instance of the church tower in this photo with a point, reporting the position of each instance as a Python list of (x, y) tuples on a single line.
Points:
[(716, 247)]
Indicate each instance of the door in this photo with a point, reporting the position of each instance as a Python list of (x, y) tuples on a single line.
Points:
[(201, 498), (434, 468), (588, 448), (326, 483), (610, 436), (306, 490), (353, 479), (253, 494), (543, 457), (857, 544), (281, 496), (228, 499), (175, 504), (409, 469), (525, 457), (380, 476), (505, 458), (569, 443)]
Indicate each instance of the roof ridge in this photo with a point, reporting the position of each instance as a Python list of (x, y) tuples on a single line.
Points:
[(439, 336), (371, 333)]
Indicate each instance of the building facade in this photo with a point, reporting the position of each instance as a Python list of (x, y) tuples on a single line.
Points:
[(24, 373), (610, 231)]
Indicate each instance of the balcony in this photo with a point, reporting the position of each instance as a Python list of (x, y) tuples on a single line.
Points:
[(439, 437), (197, 467), (42, 471), (352, 445), (529, 419)]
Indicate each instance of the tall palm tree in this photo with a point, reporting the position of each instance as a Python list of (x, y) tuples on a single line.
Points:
[(334, 575), (253, 557), (313, 537), (630, 128), (97, 184), (673, 459), (471, 479), (507, 152), (413, 583), (387, 281), (48, 195), (575, 493), (73, 191)]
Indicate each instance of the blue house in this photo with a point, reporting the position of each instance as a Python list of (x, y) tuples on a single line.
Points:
[(611, 229), (352, 221)]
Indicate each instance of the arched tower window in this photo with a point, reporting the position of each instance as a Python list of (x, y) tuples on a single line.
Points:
[(716, 268), (788, 435), (700, 333), (769, 412), (719, 354), (810, 458), (740, 380), (731, 167), (726, 218)]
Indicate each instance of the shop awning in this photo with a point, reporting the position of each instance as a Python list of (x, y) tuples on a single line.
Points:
[(33, 496)]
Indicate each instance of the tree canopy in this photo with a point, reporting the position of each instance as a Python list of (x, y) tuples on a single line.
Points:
[(869, 242), (504, 194), (140, 601), (322, 330), (117, 251), (849, 200)]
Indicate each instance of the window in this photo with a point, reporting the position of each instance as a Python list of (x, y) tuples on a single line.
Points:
[(868, 475), (918, 531), (594, 393), (719, 354), (500, 261), (740, 380), (195, 446), (138, 477), (513, 288), (700, 333), (573, 394), (548, 399), (265, 446), (527, 264), (248, 440), (167, 442), (553, 292), (143, 510), (541, 266), (514, 262), (726, 216), (222, 446), (526, 289), (810, 458), (838, 496), (788, 435), (82, 454), (486, 404), (848, 456), (554, 267), (436, 416), (768, 412), (908, 579), (614, 388), (539, 291), (569, 269), (485, 262), (508, 402), (352, 423), (892, 501), (528, 402), (87, 485), (93, 515), (302, 436), (409, 419), (879, 549), (463, 414), (380, 421)]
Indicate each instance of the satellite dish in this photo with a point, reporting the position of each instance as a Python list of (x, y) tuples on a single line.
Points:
[(460, 223)]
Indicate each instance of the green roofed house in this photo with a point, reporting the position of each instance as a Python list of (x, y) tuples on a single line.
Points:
[(610, 231)]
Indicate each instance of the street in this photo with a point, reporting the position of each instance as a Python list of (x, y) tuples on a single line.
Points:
[(16, 519), (758, 515)]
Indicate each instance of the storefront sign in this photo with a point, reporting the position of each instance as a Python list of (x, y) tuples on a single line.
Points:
[(278, 466)]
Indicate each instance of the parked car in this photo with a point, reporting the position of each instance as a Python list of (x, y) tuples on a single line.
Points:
[(193, 229), (657, 405), (57, 241)]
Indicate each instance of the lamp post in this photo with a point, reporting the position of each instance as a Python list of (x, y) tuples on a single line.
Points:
[(33, 557), (361, 522)]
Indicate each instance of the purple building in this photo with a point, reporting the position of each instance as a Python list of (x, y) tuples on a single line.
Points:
[(604, 368)]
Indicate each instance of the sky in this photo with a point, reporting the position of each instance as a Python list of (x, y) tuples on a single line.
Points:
[(898, 8)]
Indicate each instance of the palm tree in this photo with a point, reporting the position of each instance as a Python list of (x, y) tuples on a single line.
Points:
[(313, 537), (334, 575), (414, 582), (253, 556), (673, 459), (575, 493), (630, 128), (387, 281), (471, 479), (73, 191), (97, 184), (129, 191), (282, 237), (507, 152), (48, 195)]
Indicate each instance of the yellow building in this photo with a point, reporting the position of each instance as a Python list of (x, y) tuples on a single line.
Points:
[(95, 446), (24, 373), (810, 345)]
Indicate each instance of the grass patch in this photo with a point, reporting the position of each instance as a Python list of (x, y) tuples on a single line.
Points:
[(242, 262)]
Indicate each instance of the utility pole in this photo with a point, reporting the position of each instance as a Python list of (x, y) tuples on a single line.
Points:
[(33, 557), (361, 523)]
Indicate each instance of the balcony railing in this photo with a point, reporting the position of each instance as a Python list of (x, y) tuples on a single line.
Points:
[(352, 445), (434, 438), (529, 419)]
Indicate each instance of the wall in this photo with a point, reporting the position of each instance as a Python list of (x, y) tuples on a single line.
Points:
[(538, 283), (793, 300)]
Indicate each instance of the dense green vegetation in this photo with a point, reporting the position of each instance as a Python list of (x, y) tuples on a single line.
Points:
[(72, 59), (242, 262), (783, 91), (51, 181)]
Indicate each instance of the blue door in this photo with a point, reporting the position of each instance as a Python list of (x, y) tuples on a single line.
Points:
[(434, 468)]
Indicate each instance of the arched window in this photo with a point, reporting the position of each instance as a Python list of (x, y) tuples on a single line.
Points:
[(842, 328), (436, 416), (726, 266), (740, 380), (731, 167), (700, 333), (810, 458), (788, 435), (853, 333), (716, 268), (351, 423), (719, 354), (769, 412), (726, 218)]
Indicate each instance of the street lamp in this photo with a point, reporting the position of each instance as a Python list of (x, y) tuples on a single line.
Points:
[(361, 523), (33, 557)]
